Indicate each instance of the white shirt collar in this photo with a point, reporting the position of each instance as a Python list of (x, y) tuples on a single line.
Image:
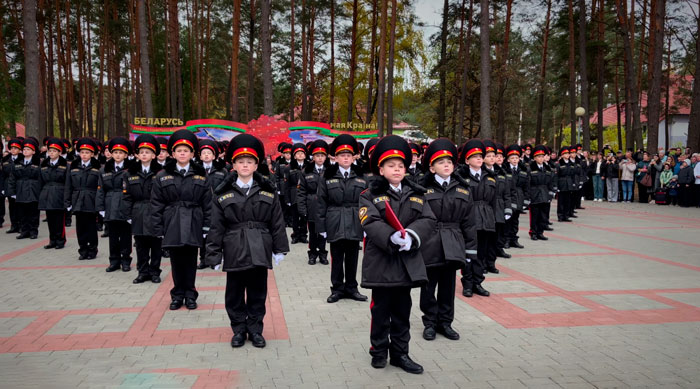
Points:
[(540, 166), (53, 162), (513, 167), (412, 166), (207, 165), (395, 188), (147, 168), (440, 180), (26, 161), (475, 172), (319, 167), (343, 171), (119, 165), (161, 163), (243, 185), (186, 167)]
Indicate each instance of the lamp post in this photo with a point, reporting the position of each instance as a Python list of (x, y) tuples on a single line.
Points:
[(580, 111)]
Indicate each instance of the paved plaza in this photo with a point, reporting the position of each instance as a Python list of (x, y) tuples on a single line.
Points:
[(611, 300)]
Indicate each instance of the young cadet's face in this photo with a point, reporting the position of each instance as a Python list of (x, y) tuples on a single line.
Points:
[(499, 159), (145, 155), (15, 150), (514, 159), (443, 167), (393, 170), (118, 156), (319, 158), (183, 154), (539, 159), (414, 159), (53, 153), (107, 154), (490, 159), (206, 155), (475, 161), (163, 155), (287, 156), (245, 166), (85, 155), (344, 160), (300, 155), (28, 152), (547, 157)]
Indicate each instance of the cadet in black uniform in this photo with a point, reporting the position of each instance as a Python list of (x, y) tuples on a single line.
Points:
[(527, 152), (292, 176), (540, 187), (393, 262), (502, 238), (502, 211), (109, 204), (518, 173), (181, 210), (162, 158), (248, 229), (54, 170), (24, 188), (216, 174), (414, 171), (338, 197), (482, 186), (366, 154), (307, 199), (2, 187), (80, 196), (552, 177), (445, 248), (137, 208), (281, 166), (8, 164), (566, 172)]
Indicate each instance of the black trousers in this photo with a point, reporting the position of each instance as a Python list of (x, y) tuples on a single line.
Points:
[(119, 242), (576, 200), (344, 254), (183, 264), (685, 195), (246, 293), (286, 211), (643, 193), (390, 326), (298, 222), (86, 229), (511, 228), (317, 243), (69, 219), (438, 311), (548, 209), (564, 205), (2, 210), (56, 219), (501, 235), (538, 218), (148, 255), (473, 272), (28, 215), (14, 217)]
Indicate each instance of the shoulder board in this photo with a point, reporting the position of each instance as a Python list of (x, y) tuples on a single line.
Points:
[(224, 197), (134, 178), (416, 200), (198, 177), (44, 168), (62, 167), (165, 178), (430, 191), (522, 173), (106, 174), (502, 177), (360, 180), (509, 175), (219, 173), (491, 179), (463, 191), (379, 199), (309, 177), (75, 170), (94, 170), (268, 194), (535, 172), (333, 181)]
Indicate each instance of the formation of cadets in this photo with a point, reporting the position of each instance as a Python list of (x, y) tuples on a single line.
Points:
[(420, 213)]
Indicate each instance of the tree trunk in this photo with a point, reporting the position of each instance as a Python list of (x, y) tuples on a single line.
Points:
[(382, 65), (632, 104), (600, 65), (176, 102), (332, 86), (304, 59), (266, 42), (292, 85), (465, 72), (311, 50), (503, 77), (371, 70), (617, 105), (583, 73), (442, 70), (235, 46), (694, 121), (31, 64), (668, 99), (485, 52), (572, 76), (658, 14), (251, 63), (543, 75), (390, 70), (353, 60), (144, 57)]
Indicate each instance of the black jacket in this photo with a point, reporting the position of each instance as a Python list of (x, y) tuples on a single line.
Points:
[(292, 177), (25, 180), (338, 201), (137, 197), (484, 195), (566, 176), (307, 194), (247, 228), (454, 236), (281, 169), (415, 174), (611, 170), (685, 176), (520, 180), (181, 206), (80, 191), (541, 183), (53, 182), (217, 173), (503, 195), (112, 188), (7, 166), (383, 265)]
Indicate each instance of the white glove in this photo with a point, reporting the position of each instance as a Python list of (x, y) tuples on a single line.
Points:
[(13, 197), (279, 257), (409, 242), (217, 267), (128, 221), (323, 234), (289, 204), (204, 236), (507, 216), (403, 243), (102, 213), (69, 208)]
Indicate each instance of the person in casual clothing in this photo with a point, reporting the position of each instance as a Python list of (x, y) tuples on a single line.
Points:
[(686, 180), (628, 167), (25, 187), (673, 190), (598, 169), (54, 170), (665, 175), (643, 169)]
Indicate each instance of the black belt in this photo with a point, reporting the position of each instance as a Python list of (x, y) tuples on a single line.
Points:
[(249, 224)]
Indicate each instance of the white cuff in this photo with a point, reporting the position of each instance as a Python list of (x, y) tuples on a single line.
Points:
[(414, 236), (468, 252)]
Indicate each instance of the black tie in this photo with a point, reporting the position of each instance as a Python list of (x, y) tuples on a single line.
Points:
[(85, 166), (345, 175), (444, 185), (208, 169), (145, 171), (183, 171), (116, 169), (477, 176)]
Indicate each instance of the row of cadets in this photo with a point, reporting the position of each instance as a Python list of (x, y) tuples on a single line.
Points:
[(137, 201), (110, 203), (454, 239), (216, 172), (248, 230), (181, 203), (517, 171), (292, 174), (541, 188), (338, 198), (393, 262), (80, 196), (24, 187), (502, 210), (482, 185), (566, 184), (307, 199), (14, 147)]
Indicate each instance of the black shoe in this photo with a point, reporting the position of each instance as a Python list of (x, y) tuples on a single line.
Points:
[(126, 268), (493, 270), (542, 237), (322, 259), (50, 246), (81, 257), (548, 228), (478, 289), (303, 239), (104, 235), (91, 256), (238, 340), (68, 224), (564, 220), (60, 246), (175, 305), (506, 245), (295, 240), (378, 362), (12, 230), (357, 296), (334, 297), (23, 235), (574, 216), (33, 236), (312, 261), (202, 265), (155, 279), (111, 268), (467, 292), (429, 333), (550, 223), (141, 278), (190, 304), (502, 254), (257, 340), (580, 208), (533, 236), (405, 363), (517, 245), (165, 254), (448, 332)]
